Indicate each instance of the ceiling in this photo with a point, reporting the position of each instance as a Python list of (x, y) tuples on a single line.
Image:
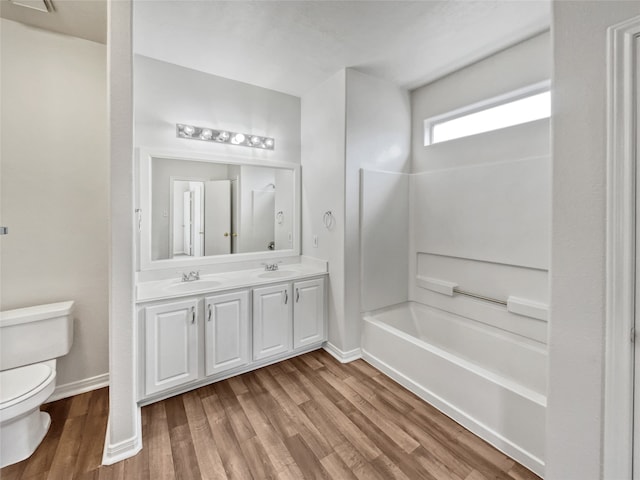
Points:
[(290, 46), (79, 18)]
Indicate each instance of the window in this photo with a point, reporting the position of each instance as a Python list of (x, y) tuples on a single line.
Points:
[(527, 105)]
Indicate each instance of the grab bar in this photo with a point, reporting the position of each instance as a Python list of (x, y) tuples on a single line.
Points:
[(517, 305), (479, 297)]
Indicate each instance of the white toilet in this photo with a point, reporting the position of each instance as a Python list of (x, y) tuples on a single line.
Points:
[(30, 341)]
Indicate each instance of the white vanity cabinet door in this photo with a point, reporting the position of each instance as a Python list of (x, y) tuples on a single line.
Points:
[(171, 345), (308, 312), (226, 331), (271, 320)]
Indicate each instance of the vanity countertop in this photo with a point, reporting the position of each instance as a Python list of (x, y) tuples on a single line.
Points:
[(212, 283)]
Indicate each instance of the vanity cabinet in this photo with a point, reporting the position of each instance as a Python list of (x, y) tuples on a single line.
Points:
[(171, 345), (308, 317), (190, 342), (274, 308), (272, 320), (226, 332)]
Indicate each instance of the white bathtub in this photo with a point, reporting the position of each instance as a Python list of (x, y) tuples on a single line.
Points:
[(490, 381)]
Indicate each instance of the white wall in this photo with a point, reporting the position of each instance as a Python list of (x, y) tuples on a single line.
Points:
[(576, 340), (124, 429), (323, 147), (55, 184), (351, 121), (166, 94)]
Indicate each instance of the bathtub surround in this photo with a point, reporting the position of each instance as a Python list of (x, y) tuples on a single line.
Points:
[(464, 344), (472, 176), (384, 230), (55, 188), (485, 227), (463, 234)]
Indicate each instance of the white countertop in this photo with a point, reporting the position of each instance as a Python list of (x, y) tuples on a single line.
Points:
[(175, 287)]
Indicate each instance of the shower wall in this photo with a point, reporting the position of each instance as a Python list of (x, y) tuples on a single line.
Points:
[(384, 227), (476, 211), (477, 215), (480, 205), (485, 229)]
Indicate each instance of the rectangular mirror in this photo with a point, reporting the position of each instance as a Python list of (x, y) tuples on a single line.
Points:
[(204, 209)]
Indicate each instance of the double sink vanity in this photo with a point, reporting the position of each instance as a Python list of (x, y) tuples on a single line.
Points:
[(205, 316)]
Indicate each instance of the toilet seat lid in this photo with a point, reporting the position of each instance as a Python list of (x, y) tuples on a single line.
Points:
[(20, 381)]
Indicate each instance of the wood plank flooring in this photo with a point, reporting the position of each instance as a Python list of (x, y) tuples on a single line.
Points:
[(305, 418)]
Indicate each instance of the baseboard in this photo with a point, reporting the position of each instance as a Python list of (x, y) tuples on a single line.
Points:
[(342, 357), (81, 386), (116, 452)]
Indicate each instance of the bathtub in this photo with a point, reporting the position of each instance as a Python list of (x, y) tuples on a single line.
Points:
[(490, 381)]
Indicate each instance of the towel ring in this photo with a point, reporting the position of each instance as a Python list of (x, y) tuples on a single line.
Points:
[(328, 219)]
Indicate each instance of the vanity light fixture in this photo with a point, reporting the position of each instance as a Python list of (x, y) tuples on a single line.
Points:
[(224, 136)]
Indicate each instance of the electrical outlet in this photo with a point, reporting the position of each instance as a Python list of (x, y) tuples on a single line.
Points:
[(315, 241)]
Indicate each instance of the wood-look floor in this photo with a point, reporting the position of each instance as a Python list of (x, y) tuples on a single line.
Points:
[(305, 418)]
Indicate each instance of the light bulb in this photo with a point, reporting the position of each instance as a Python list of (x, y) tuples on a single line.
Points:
[(206, 134), (188, 130), (268, 142), (223, 136), (238, 138), (255, 140)]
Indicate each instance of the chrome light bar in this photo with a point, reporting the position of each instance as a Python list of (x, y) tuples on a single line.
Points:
[(224, 136)]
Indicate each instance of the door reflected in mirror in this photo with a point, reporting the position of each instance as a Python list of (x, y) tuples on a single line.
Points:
[(187, 218), (202, 209)]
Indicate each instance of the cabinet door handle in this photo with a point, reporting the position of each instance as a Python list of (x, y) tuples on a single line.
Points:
[(297, 295), (210, 313), (286, 297), (193, 315)]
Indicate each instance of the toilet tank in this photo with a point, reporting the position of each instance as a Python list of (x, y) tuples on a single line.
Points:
[(35, 334)]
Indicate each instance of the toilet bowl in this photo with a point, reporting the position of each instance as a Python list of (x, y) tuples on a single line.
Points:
[(30, 340)]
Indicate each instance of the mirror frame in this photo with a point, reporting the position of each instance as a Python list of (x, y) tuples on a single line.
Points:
[(144, 206)]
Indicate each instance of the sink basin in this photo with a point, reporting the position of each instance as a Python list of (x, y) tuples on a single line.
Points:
[(193, 286), (277, 274)]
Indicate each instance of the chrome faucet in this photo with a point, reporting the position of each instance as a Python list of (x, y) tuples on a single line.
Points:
[(270, 267), (191, 276)]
